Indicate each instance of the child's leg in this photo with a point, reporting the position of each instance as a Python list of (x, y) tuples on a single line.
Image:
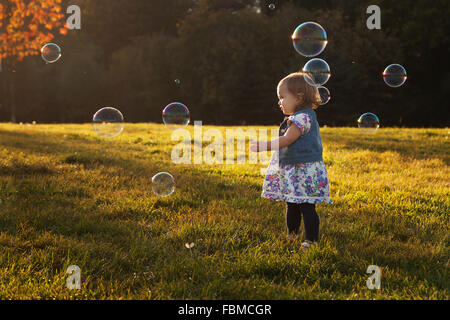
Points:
[(293, 217), (311, 221)]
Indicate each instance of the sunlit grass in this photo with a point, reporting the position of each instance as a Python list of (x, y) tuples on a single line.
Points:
[(70, 197)]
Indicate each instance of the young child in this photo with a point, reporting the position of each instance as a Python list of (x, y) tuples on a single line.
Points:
[(297, 173)]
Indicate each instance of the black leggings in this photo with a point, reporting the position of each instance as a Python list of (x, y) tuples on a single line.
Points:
[(294, 213)]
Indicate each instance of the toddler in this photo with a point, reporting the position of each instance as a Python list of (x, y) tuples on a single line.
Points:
[(296, 173)]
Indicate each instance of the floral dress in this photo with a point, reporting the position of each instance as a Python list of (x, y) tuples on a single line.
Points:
[(300, 182)]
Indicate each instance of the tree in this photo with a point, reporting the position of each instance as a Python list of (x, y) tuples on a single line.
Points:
[(123, 20), (25, 27)]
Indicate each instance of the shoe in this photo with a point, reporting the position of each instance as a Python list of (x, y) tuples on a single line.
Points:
[(307, 244)]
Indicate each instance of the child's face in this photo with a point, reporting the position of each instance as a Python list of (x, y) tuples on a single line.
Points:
[(288, 102)]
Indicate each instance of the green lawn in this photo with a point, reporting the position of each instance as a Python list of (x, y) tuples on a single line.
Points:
[(69, 197)]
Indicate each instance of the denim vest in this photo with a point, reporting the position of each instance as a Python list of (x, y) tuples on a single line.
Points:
[(308, 147)]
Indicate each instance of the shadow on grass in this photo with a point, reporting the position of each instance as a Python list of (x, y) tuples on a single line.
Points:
[(417, 147)]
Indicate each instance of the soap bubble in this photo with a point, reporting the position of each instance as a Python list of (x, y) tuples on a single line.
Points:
[(317, 72), (175, 115), (51, 52), (394, 75), (177, 81), (163, 184), (108, 122), (309, 39), (324, 95), (271, 6), (368, 123)]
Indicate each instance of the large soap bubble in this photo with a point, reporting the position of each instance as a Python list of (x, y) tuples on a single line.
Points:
[(309, 39), (51, 52), (317, 72), (368, 123), (394, 75), (175, 115), (324, 95), (108, 122), (163, 184)]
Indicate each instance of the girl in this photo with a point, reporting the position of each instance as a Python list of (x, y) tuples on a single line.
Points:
[(297, 173)]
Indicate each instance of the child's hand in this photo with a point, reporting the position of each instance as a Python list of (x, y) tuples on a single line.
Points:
[(254, 146)]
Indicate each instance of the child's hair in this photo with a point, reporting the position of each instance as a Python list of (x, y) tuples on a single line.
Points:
[(296, 83)]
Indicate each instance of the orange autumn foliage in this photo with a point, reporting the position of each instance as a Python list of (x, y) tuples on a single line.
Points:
[(25, 26)]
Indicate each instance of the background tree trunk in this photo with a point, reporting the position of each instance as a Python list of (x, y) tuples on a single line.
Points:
[(3, 84), (9, 88), (12, 99)]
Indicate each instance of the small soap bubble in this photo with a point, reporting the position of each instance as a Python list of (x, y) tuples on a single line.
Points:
[(108, 122), (163, 184), (51, 52), (175, 115), (324, 95), (368, 123), (309, 39), (317, 72), (177, 81), (394, 75), (271, 6)]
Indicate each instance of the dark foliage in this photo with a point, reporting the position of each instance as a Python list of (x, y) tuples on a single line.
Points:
[(229, 56)]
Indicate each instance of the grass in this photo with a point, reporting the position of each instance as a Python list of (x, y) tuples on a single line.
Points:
[(69, 197)]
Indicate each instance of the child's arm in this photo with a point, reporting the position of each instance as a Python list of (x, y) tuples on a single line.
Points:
[(292, 134)]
